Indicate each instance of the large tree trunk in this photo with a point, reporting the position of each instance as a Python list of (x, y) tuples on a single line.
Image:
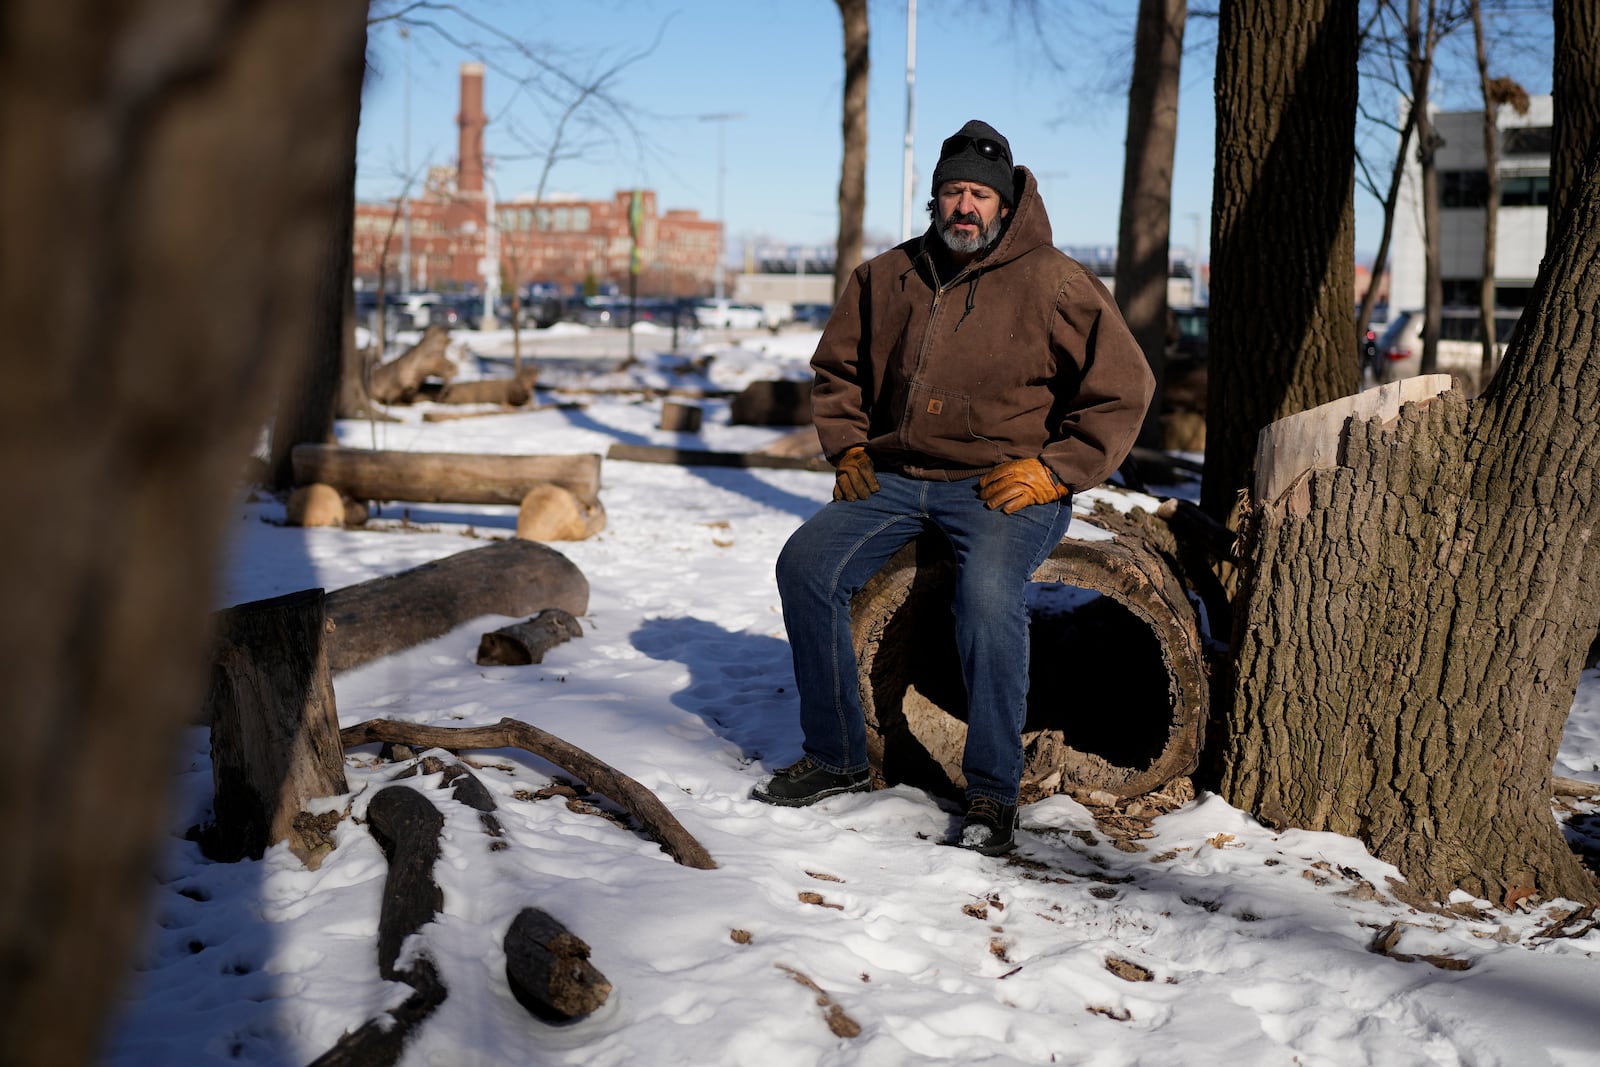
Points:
[(853, 168), (1439, 584), (1282, 225), (151, 318), (1144, 228), (1575, 85), (310, 399)]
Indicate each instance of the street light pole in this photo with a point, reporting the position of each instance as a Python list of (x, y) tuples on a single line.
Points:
[(405, 190), (721, 118), (907, 166)]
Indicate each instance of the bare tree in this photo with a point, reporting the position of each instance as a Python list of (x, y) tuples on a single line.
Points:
[(166, 230), (1144, 226), (1497, 93), (1415, 609), (853, 168)]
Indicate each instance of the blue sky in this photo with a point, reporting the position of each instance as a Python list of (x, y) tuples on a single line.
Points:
[(779, 68)]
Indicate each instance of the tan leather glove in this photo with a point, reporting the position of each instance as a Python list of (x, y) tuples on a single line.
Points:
[(1013, 486), (854, 478)]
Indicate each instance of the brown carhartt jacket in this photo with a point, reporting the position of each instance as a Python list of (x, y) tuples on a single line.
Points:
[(1023, 353)]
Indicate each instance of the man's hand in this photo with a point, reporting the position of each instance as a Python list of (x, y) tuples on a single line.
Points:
[(854, 479), (1013, 486)]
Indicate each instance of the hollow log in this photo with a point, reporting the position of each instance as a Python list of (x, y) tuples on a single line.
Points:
[(399, 380), (526, 642), (1118, 689), (549, 971), (443, 477), (274, 728), (635, 799), (510, 578)]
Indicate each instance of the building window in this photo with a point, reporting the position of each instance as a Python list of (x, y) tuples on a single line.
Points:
[(1463, 188), (1460, 292), (1526, 141), (1528, 190)]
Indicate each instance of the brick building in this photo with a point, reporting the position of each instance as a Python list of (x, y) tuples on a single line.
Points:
[(568, 243)]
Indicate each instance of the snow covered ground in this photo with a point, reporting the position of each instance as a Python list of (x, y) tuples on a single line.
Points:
[(1212, 941)]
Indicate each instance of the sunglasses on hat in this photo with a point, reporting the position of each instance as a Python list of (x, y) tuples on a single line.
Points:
[(990, 150)]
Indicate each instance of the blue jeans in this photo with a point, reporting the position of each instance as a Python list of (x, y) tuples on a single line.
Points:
[(835, 552)]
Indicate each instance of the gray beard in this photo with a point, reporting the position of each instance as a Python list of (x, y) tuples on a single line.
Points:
[(979, 241)]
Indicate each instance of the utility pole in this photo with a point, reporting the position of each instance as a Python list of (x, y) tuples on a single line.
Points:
[(405, 191), (721, 118)]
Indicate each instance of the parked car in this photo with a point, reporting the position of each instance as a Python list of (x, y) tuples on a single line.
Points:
[(812, 314), (1460, 343), (725, 314), (1193, 329)]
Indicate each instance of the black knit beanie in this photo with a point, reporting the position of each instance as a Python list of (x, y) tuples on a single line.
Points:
[(962, 158)]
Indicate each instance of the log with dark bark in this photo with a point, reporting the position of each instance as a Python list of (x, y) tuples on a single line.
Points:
[(772, 403), (274, 728), (1119, 686), (399, 380), (444, 477), (658, 822), (526, 642), (406, 826), (697, 457), (510, 578), (549, 971)]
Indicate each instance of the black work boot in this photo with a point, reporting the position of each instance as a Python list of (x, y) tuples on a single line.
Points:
[(807, 782), (988, 827)]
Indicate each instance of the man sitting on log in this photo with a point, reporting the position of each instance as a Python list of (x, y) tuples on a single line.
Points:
[(969, 381)]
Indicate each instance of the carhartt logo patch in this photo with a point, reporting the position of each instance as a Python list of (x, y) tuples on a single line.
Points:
[(935, 407)]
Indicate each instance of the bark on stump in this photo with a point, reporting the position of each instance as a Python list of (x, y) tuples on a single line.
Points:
[(274, 728), (511, 578), (1118, 693)]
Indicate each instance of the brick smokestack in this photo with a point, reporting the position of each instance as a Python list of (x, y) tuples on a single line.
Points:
[(469, 165)]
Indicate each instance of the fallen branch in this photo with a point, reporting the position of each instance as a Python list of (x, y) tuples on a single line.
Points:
[(639, 802)]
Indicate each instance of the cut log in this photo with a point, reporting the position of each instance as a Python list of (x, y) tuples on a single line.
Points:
[(399, 380), (508, 391), (379, 1042), (695, 457), (549, 970), (443, 477), (1118, 692), (323, 505), (274, 728), (772, 403), (552, 513), (526, 642), (634, 798), (680, 417), (510, 578)]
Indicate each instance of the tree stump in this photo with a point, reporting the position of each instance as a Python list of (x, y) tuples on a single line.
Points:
[(1118, 693), (274, 727)]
